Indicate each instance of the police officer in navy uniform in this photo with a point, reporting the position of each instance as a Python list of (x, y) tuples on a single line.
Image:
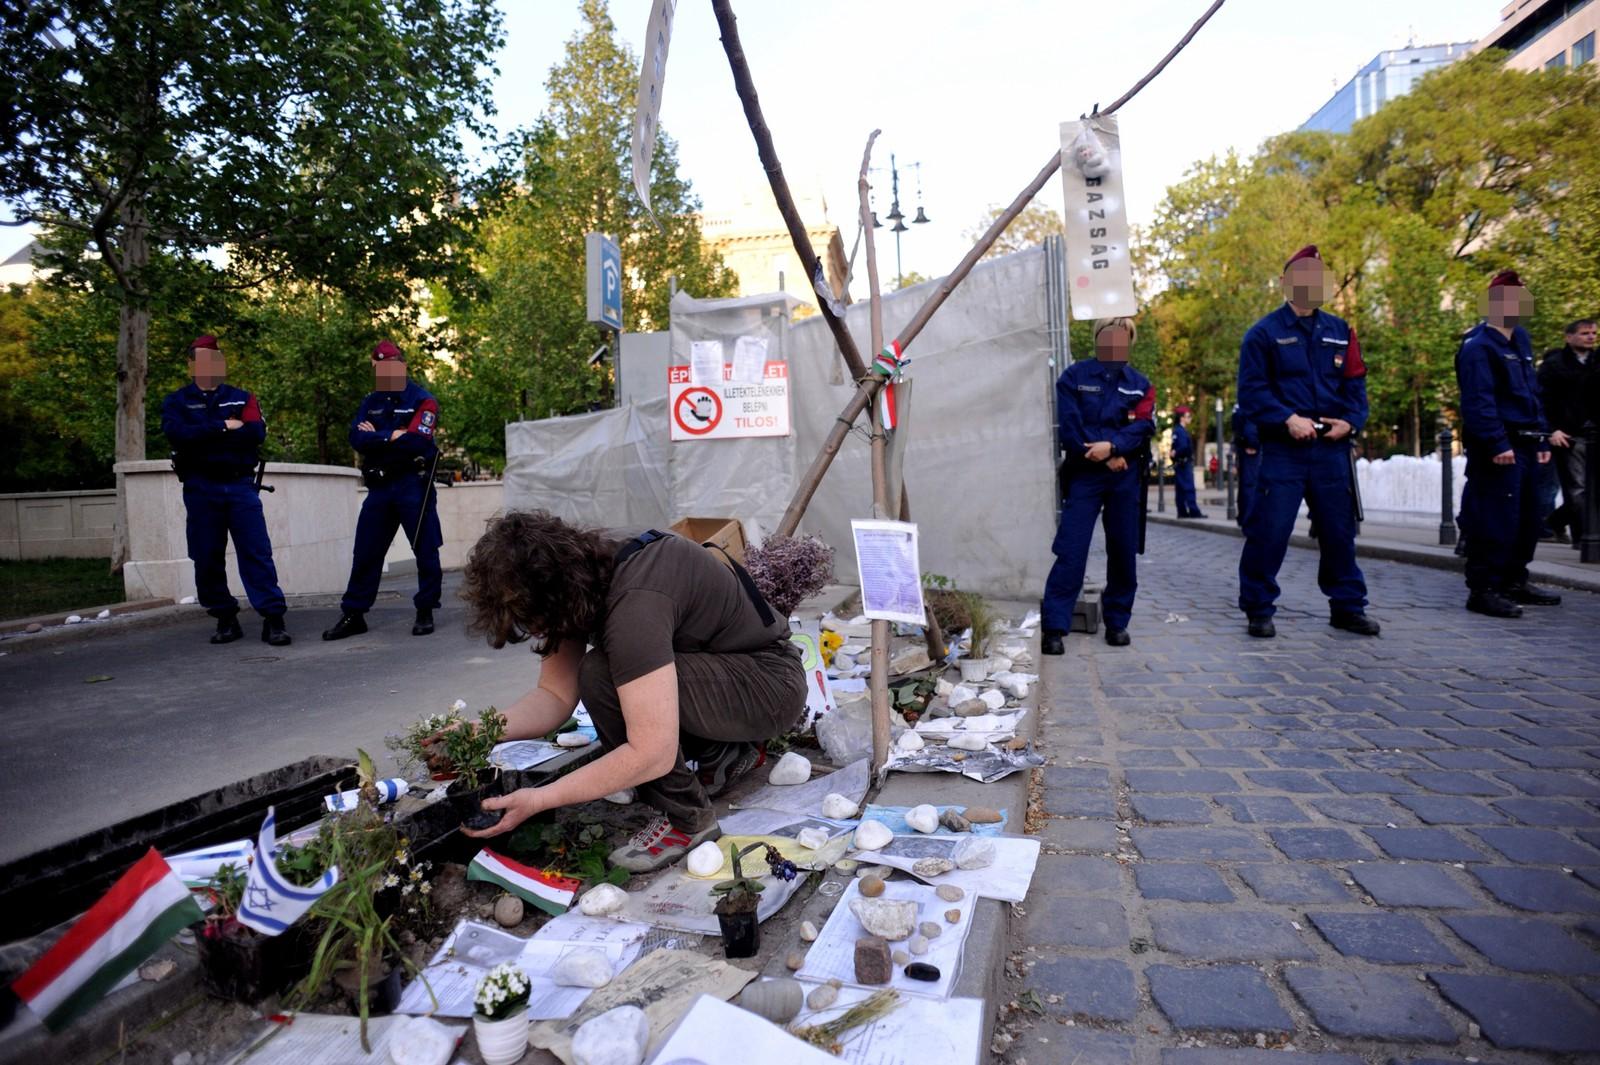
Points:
[(1302, 383), (216, 431), (1506, 440), (1183, 466), (1104, 407), (1247, 460), (393, 432)]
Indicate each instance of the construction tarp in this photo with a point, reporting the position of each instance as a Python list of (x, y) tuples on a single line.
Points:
[(979, 463)]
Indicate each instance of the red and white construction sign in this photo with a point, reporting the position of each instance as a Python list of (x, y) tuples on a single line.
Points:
[(728, 409)]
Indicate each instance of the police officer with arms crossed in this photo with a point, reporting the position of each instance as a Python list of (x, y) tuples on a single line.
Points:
[(1506, 438), (393, 432), (1183, 466), (1303, 384), (216, 433), (1104, 407)]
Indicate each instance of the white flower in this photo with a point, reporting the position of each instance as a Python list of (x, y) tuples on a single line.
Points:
[(391, 881), (459, 706), (426, 887)]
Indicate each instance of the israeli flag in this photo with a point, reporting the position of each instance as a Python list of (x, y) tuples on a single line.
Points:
[(271, 904)]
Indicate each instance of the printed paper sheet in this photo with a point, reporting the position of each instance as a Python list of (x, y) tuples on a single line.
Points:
[(833, 955)]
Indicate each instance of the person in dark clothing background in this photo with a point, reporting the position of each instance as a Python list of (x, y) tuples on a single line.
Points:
[(1567, 382)]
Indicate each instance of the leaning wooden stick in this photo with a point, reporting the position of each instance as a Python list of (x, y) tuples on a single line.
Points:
[(746, 86), (866, 389), (879, 680)]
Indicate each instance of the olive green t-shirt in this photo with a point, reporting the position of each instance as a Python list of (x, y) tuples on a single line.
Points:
[(673, 596)]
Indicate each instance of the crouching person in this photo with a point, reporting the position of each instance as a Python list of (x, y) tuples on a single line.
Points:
[(671, 649)]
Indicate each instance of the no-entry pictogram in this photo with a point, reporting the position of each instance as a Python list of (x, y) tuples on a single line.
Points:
[(697, 411)]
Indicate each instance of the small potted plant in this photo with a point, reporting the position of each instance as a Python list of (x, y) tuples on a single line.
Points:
[(975, 666), (418, 745), (737, 900), (787, 570), (239, 964), (500, 1015), (468, 747)]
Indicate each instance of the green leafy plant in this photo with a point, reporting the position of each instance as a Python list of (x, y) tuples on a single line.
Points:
[(982, 621), (740, 892), (468, 746), (418, 745), (227, 892), (502, 992), (571, 845)]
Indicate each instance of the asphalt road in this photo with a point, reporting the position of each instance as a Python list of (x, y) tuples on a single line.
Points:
[(179, 717)]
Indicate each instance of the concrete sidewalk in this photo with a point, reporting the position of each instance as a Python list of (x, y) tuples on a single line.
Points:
[(1554, 564)]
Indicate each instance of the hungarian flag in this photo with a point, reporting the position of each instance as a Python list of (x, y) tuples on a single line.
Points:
[(551, 892), (143, 910)]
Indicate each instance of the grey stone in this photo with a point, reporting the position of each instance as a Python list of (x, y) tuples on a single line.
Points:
[(1367, 782), (1202, 844), (1552, 783), (1540, 890), (1443, 810), (1525, 945), (1386, 938), (1233, 998), (1171, 809), (1521, 1014), (1094, 988), (1070, 834), (1363, 1005), (1467, 760), (1209, 781), (1423, 845), (1070, 874), (1556, 812), (1207, 758), (1151, 759), (1553, 757), (1306, 759), (1394, 738), (1076, 777), (1070, 803), (1294, 883), (1080, 1045), (1069, 921), (1181, 882), (1396, 884), (1293, 780), (1227, 936), (1450, 782), (1538, 846), (1359, 811), (1318, 844), (1267, 809)]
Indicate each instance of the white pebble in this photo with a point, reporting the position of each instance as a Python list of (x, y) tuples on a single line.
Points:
[(74, 619), (872, 835), (705, 859), (573, 739), (838, 807), (960, 694), (601, 900), (808, 931), (910, 740), (812, 838), (792, 768), (582, 968), (923, 818), (993, 699), (616, 1037), (103, 614), (968, 741)]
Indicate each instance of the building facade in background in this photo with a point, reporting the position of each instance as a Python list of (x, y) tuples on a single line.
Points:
[(1390, 74), (1545, 34), (754, 242)]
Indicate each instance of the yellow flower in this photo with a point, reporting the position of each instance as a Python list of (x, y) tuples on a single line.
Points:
[(831, 642)]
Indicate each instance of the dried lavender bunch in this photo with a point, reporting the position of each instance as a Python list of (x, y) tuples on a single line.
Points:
[(789, 569)]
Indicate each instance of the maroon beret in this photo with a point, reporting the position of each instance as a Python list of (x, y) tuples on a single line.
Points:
[(205, 340), (1505, 277), (1181, 411), (1308, 252), (386, 350)]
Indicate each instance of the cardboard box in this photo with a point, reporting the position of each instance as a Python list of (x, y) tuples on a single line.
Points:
[(726, 533)]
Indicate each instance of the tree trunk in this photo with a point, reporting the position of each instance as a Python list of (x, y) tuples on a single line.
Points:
[(133, 363)]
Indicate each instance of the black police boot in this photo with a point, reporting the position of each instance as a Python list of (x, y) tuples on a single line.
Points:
[(1359, 624), (228, 629), (1051, 642), (1493, 604), (273, 632), (350, 623), (1117, 637), (424, 623), (1263, 628), (1529, 595)]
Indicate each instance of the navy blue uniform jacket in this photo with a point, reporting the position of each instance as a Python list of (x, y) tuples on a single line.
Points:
[(414, 410), (192, 420), (1104, 401), (1311, 367), (1499, 387)]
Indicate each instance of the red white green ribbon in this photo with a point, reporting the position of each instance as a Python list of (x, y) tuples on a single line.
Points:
[(890, 364)]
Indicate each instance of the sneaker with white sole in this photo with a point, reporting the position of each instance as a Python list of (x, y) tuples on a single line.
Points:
[(658, 844)]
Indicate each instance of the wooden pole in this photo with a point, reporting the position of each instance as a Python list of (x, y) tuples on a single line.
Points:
[(879, 680), (866, 389), (746, 87)]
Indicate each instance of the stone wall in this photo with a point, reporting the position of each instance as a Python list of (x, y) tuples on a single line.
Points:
[(57, 524)]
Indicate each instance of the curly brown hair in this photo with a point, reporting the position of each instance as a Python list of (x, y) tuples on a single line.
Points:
[(533, 574)]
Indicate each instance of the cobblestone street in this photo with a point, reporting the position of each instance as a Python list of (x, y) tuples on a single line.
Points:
[(1371, 849)]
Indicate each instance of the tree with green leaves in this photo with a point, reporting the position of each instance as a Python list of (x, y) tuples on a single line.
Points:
[(521, 332), (1036, 221), (322, 140)]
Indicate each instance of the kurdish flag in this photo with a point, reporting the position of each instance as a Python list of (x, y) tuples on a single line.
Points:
[(551, 892), (143, 910)]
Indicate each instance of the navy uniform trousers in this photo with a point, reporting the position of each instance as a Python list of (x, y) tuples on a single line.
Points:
[(215, 507), (1249, 469), (1113, 497), (390, 508), (1183, 488), (1318, 472), (1501, 515)]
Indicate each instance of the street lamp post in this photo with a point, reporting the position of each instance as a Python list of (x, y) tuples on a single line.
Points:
[(898, 217), (1447, 499)]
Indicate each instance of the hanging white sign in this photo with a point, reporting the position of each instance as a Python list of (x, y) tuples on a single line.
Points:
[(1099, 273), (647, 108)]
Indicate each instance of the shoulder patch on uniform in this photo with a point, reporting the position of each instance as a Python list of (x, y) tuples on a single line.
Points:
[(426, 425)]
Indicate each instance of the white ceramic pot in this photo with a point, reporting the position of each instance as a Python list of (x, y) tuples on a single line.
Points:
[(974, 669), (504, 1041)]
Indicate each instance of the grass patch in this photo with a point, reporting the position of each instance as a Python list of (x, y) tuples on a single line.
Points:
[(53, 585)]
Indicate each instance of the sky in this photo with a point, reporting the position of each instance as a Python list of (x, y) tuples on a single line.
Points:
[(975, 92)]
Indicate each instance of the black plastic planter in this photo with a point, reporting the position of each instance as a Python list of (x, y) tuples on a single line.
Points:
[(741, 933), (241, 965), (467, 805)]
